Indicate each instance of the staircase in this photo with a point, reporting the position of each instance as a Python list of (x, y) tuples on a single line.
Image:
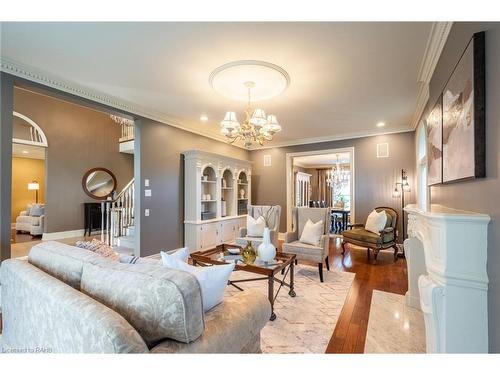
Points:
[(118, 224)]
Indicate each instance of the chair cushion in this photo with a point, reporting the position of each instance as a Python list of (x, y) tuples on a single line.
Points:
[(300, 247), (159, 302), (361, 234), (242, 241), (24, 219)]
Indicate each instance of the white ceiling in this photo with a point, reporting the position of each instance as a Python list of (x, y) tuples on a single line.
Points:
[(345, 77), (311, 161)]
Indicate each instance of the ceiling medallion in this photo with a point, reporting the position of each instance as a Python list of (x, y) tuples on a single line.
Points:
[(249, 80)]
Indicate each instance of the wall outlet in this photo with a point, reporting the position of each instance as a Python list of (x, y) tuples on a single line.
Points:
[(146, 212), (146, 182), (147, 192)]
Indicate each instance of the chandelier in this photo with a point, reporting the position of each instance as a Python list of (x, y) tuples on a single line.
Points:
[(337, 175), (256, 128)]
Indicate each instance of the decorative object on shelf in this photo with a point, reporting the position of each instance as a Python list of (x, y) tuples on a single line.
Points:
[(266, 249), (204, 177), (224, 183), (223, 209), (99, 183), (34, 185), (249, 254), (464, 139), (397, 193), (236, 80), (242, 193)]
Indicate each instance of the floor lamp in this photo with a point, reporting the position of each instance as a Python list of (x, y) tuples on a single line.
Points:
[(399, 192), (34, 186)]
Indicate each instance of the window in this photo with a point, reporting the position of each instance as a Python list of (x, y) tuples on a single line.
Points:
[(422, 190)]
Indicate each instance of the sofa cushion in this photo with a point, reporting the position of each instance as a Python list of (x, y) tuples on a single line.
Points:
[(361, 234), (157, 301), (64, 262)]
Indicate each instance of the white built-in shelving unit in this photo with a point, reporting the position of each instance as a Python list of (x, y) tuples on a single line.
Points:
[(217, 191)]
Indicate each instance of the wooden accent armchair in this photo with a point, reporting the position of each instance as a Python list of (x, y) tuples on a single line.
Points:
[(387, 238)]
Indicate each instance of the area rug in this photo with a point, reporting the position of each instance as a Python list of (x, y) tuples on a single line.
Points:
[(393, 326), (305, 323)]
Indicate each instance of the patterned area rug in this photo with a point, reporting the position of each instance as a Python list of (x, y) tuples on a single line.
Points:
[(304, 324)]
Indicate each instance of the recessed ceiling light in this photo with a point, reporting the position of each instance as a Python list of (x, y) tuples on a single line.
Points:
[(204, 118), (25, 152), (380, 124)]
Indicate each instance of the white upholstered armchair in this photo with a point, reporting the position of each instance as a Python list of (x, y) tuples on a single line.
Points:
[(305, 251), (271, 215), (33, 223)]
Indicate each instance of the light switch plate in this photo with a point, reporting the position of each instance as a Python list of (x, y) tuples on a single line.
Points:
[(147, 192), (146, 212), (146, 182)]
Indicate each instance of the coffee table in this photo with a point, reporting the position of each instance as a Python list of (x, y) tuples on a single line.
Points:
[(283, 263)]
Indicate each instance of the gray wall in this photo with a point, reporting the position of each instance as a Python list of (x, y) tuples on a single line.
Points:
[(374, 178), (161, 162), (6, 84), (79, 139), (481, 195)]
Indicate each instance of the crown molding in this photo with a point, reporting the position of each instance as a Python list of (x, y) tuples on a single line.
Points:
[(435, 44), (354, 135), (47, 79), (36, 75)]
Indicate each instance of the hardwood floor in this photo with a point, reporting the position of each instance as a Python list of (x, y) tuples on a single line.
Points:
[(350, 332)]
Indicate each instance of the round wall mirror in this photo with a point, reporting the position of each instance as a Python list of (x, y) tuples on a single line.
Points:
[(99, 183)]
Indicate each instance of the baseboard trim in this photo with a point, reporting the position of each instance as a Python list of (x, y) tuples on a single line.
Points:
[(61, 235)]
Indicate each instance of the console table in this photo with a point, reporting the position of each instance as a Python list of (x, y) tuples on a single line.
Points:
[(92, 217)]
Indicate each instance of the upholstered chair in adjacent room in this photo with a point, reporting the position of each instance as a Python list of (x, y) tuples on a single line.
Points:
[(271, 215), (305, 251), (385, 239)]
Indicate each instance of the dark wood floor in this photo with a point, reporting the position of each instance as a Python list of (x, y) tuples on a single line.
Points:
[(388, 276)]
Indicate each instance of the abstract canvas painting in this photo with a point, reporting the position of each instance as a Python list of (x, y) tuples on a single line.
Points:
[(463, 116), (434, 128)]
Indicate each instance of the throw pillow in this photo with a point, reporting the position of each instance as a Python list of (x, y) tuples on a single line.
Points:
[(99, 248), (312, 232), (376, 221), (37, 210), (181, 254), (255, 227), (213, 280), (28, 209)]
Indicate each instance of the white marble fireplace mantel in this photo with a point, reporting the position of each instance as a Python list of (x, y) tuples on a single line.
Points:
[(452, 278)]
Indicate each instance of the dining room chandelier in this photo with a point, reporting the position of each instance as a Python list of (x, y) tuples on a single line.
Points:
[(337, 174), (256, 128)]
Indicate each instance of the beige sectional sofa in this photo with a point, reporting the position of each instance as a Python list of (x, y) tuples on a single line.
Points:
[(66, 299)]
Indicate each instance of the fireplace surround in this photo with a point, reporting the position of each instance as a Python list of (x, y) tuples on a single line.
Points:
[(447, 254)]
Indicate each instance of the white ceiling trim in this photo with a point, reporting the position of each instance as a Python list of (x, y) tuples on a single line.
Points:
[(306, 141), (36, 75), (435, 44)]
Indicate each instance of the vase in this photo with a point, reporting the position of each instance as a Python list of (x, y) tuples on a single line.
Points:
[(266, 249), (242, 193), (249, 254)]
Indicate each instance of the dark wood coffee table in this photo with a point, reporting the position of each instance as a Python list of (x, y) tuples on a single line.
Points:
[(283, 263)]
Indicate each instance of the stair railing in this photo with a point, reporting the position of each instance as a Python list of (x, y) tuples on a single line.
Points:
[(117, 214)]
